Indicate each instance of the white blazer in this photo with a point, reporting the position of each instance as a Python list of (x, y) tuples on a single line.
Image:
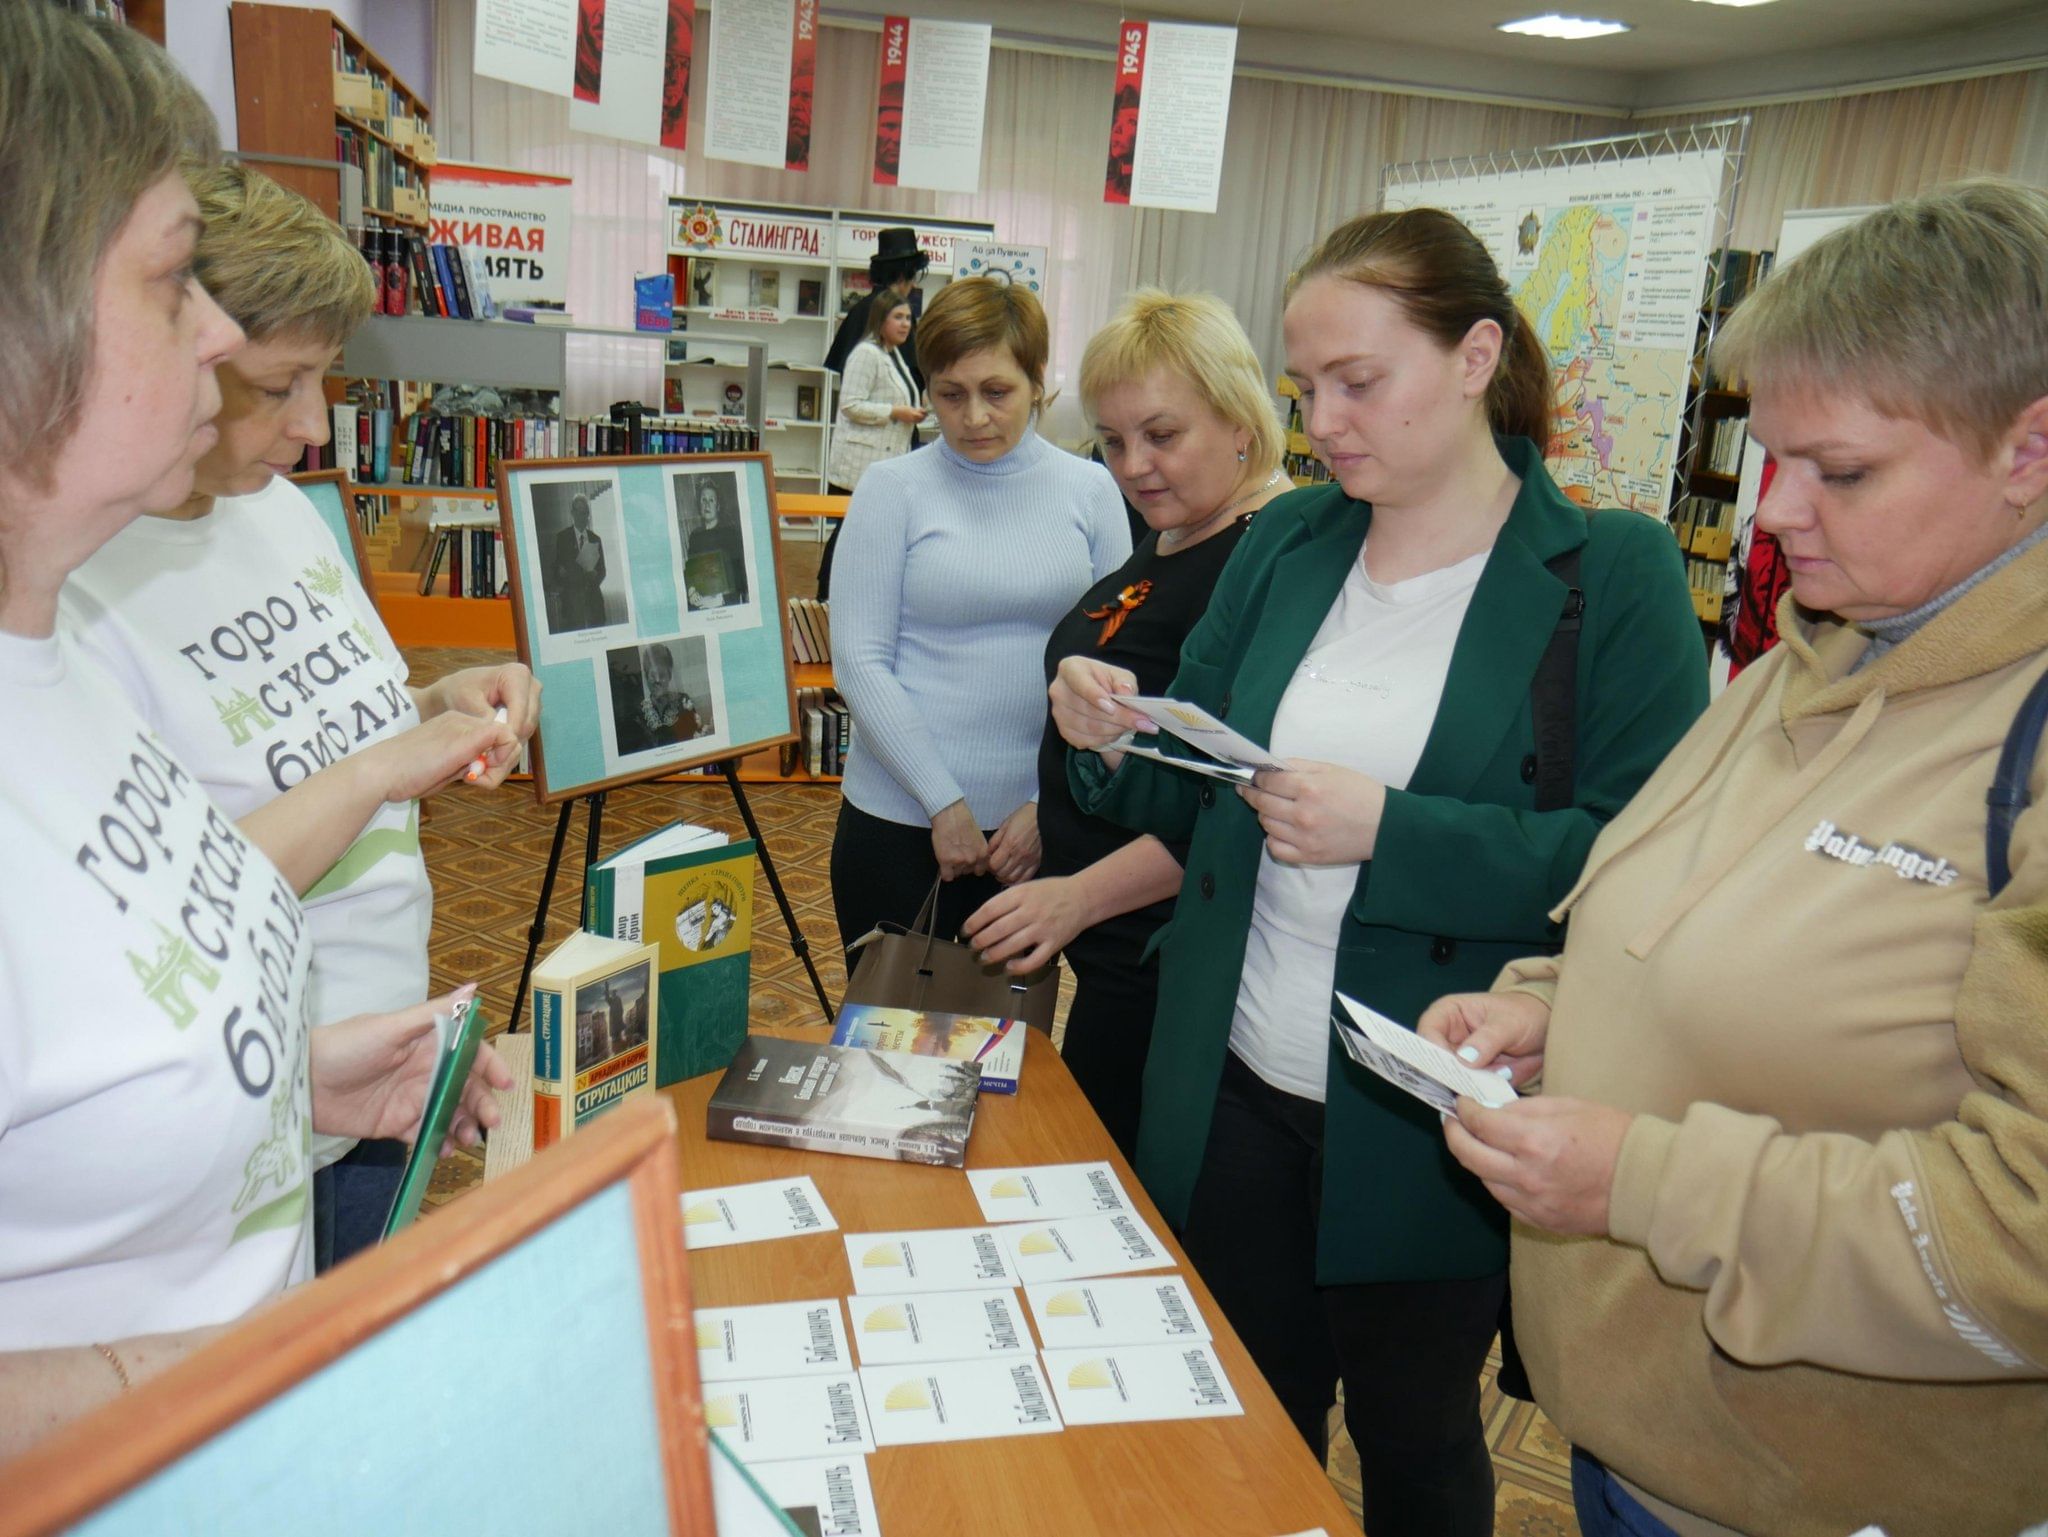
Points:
[(873, 384)]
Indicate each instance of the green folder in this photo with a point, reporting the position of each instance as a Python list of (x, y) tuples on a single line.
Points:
[(458, 1055)]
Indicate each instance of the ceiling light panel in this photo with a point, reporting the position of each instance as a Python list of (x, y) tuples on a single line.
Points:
[(1566, 28)]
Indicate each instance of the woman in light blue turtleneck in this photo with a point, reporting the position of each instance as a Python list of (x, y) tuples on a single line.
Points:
[(953, 566)]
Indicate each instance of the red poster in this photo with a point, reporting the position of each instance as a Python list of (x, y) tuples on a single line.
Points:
[(675, 74), (1123, 112), (589, 49), (889, 99), (803, 71)]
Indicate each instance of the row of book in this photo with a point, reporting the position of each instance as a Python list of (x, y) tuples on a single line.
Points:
[(1722, 444), (1708, 580), (466, 450), (388, 182), (827, 730), (1735, 276), (415, 278), (1704, 526), (475, 560), (810, 629)]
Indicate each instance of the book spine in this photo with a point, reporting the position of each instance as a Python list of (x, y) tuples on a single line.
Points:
[(726, 1123), (548, 1038)]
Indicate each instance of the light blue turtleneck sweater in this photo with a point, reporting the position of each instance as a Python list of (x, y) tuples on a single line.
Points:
[(948, 579)]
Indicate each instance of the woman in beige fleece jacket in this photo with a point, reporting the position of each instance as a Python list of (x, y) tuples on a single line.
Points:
[(1781, 1249)]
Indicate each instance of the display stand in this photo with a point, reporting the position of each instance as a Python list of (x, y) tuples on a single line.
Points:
[(799, 945), (559, 1294)]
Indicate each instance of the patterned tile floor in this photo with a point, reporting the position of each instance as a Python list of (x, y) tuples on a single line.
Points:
[(487, 851)]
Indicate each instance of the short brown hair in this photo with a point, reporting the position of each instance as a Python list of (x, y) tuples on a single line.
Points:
[(92, 115), (974, 314), (1933, 308), (278, 265), (1445, 281), (1193, 337)]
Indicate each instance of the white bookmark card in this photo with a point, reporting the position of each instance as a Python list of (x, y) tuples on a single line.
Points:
[(1113, 1244), (773, 1339), (1119, 1384), (831, 1496), (776, 1419), (958, 1401), (772, 1208), (1048, 1190), (1198, 728), (1128, 1310), (940, 1259), (1237, 774), (938, 1326), (1407, 1061)]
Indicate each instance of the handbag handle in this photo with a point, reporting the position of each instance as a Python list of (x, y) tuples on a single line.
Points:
[(925, 926)]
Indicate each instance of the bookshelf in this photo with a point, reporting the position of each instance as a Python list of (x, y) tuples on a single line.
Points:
[(358, 113), (1298, 455)]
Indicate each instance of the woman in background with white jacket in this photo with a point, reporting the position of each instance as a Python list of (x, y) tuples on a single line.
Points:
[(878, 411)]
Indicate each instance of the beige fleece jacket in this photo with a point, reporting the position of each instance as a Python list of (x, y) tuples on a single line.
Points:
[(1825, 1301)]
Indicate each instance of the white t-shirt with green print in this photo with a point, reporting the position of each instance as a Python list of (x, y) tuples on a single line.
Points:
[(154, 1112), (247, 644)]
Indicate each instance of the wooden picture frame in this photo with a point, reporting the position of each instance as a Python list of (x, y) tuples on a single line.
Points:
[(592, 660), (119, 1470), (333, 496)]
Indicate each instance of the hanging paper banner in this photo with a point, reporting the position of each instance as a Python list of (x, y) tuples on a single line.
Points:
[(642, 63), (1169, 115), (930, 101), (753, 114), (517, 222), (529, 42)]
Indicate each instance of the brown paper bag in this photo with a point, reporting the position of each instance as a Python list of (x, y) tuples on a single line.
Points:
[(911, 968)]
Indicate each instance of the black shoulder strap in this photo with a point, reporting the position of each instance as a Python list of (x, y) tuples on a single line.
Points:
[(2008, 796), (1554, 691)]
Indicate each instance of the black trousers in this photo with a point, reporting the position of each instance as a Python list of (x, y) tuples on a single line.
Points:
[(885, 870), (1409, 1352), (1109, 1026)]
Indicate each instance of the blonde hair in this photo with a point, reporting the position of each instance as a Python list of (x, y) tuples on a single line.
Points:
[(278, 265), (92, 115), (1933, 308), (971, 314), (1193, 337)]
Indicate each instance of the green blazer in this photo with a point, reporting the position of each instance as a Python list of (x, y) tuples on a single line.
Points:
[(1464, 872)]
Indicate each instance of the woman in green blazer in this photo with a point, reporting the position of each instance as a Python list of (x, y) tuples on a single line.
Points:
[(1382, 635)]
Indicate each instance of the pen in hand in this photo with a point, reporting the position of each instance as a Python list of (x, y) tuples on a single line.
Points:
[(477, 767)]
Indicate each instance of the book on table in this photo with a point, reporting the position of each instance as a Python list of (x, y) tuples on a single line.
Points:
[(596, 1028), (843, 1099), (994, 1046), (688, 891)]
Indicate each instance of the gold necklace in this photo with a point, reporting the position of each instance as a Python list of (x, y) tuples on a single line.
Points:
[(1174, 538)]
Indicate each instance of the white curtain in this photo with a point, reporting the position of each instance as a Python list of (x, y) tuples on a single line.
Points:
[(1301, 158)]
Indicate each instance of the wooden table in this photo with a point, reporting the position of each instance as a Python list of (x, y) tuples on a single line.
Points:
[(1249, 1476)]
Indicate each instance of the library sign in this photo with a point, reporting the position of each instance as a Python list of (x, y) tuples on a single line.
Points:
[(516, 221), (704, 228)]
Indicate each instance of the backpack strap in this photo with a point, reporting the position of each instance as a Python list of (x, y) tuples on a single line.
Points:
[(2008, 795), (1554, 691)]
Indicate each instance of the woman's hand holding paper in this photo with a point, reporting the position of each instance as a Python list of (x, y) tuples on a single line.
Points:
[(1317, 813), (1084, 710)]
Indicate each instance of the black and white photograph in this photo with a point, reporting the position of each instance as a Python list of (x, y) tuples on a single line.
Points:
[(712, 545), (611, 1015), (581, 555), (662, 696)]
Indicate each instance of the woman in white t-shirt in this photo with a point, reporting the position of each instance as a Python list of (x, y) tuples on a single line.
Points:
[(1415, 642), (238, 631), (158, 1083)]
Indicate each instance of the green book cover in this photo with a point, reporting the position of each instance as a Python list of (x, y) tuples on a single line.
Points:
[(697, 907)]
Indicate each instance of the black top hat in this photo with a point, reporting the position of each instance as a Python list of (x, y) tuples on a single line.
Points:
[(897, 245)]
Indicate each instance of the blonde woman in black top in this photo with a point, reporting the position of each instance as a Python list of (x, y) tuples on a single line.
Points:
[(1180, 407)]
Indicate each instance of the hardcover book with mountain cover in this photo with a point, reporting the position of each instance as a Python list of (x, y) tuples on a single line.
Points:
[(994, 1046), (842, 1099), (690, 893)]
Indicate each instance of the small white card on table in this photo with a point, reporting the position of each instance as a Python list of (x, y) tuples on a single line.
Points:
[(1083, 1246), (1130, 1310), (958, 1401), (939, 1326), (1048, 1190), (939, 1259), (772, 1339), (773, 1208), (1117, 1384), (778, 1419)]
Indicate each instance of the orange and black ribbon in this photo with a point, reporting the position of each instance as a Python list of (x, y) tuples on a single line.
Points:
[(1115, 612)]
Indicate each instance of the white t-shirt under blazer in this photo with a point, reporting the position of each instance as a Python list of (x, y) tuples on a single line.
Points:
[(1364, 697)]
